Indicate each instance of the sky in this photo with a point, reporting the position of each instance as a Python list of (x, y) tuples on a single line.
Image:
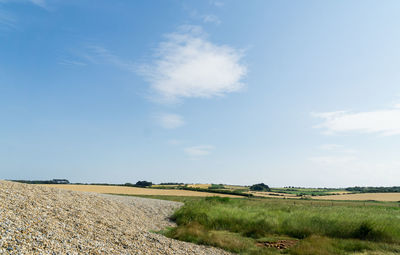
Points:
[(289, 93)]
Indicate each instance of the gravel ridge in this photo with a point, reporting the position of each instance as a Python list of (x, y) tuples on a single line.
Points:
[(42, 220)]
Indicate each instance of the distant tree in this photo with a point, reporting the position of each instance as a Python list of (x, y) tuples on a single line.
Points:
[(54, 181), (260, 187), (143, 184), (374, 189)]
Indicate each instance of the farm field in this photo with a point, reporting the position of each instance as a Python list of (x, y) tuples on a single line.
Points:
[(170, 190), (309, 191), (273, 194), (206, 186), (363, 196), (108, 189)]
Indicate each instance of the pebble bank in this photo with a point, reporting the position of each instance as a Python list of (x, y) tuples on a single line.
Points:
[(42, 220)]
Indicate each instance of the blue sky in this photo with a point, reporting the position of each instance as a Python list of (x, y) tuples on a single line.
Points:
[(290, 93)]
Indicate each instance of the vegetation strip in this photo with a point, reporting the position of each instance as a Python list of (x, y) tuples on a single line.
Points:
[(240, 225)]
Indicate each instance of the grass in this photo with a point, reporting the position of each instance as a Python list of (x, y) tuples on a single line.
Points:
[(308, 191), (321, 228)]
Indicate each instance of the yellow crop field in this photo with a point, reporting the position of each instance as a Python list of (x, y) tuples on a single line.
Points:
[(234, 187), (206, 186), (105, 189), (363, 196), (202, 186)]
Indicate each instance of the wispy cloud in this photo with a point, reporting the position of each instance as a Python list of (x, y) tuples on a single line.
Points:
[(331, 160), (329, 147), (188, 65), (98, 55), (7, 20), (175, 142), (211, 19), (337, 148), (170, 120), (72, 62), (216, 3), (337, 154), (384, 122), (40, 3), (199, 151)]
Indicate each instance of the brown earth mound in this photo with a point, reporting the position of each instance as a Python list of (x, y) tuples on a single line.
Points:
[(281, 244)]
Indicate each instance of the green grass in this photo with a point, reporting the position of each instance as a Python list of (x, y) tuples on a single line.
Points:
[(307, 191), (321, 228)]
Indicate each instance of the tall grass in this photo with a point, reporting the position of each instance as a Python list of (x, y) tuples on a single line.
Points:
[(249, 220)]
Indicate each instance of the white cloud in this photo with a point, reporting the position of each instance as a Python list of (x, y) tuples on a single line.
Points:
[(198, 151), (384, 122), (100, 55), (175, 142), (188, 65), (329, 147), (170, 120), (211, 19), (330, 160), (337, 148)]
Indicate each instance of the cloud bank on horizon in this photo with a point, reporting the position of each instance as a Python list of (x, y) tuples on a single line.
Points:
[(382, 122)]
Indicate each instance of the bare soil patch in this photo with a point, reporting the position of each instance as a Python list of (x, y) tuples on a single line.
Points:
[(280, 244)]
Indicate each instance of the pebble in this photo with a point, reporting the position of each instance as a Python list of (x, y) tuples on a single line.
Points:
[(42, 220)]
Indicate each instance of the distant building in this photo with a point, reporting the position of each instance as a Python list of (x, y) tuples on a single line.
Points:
[(60, 181)]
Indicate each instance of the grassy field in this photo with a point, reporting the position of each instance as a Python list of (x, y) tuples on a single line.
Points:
[(132, 190), (256, 226), (309, 191)]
